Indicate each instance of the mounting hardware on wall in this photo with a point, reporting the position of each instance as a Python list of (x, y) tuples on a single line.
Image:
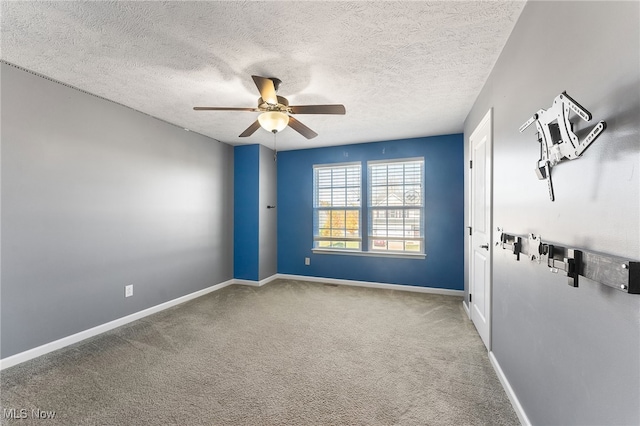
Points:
[(567, 260), (512, 243), (271, 207), (536, 249), (615, 272), (556, 137)]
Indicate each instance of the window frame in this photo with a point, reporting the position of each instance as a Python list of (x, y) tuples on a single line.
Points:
[(404, 208), (365, 210), (317, 209)]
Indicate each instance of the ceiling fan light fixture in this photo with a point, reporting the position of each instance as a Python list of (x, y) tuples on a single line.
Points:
[(275, 110), (273, 121)]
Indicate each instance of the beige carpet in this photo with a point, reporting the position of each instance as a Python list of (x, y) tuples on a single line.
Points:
[(288, 353)]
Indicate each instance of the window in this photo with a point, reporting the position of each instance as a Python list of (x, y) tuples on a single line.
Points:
[(336, 206), (395, 208), (392, 215)]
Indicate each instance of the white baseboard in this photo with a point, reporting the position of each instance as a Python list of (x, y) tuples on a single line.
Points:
[(522, 416), (401, 287), (75, 338), (255, 283)]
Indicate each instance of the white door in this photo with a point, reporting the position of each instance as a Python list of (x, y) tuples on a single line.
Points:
[(480, 241)]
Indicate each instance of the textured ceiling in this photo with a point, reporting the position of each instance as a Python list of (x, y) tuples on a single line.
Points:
[(402, 69)]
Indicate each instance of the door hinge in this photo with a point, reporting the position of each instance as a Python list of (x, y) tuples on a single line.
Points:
[(469, 297), (470, 230), (471, 164)]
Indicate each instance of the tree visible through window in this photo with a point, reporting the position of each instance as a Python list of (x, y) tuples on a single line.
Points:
[(337, 207)]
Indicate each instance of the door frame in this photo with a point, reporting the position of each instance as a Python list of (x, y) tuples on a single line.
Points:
[(486, 120)]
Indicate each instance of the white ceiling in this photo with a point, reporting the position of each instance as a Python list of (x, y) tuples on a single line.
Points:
[(402, 69)]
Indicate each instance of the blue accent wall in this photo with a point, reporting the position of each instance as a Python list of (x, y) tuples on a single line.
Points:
[(246, 193), (444, 214)]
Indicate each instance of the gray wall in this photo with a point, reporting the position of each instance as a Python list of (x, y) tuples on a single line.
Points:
[(96, 196), (571, 355), (267, 218)]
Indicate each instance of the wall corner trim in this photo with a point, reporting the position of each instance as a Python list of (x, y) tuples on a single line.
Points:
[(466, 309), (255, 283), (386, 286), (522, 416), (29, 354)]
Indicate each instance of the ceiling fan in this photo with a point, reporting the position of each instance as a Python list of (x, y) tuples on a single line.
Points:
[(276, 110)]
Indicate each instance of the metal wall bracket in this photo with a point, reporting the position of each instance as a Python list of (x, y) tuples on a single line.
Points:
[(611, 271), (565, 259), (536, 249), (557, 140), (512, 243)]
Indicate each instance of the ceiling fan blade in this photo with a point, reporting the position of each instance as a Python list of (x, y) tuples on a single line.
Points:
[(301, 128), (224, 109), (266, 88), (318, 109), (250, 130)]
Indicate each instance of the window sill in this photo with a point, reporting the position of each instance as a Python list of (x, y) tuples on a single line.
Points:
[(370, 253)]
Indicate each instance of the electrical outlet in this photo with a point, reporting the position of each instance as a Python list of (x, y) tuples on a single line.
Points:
[(128, 290), (307, 261)]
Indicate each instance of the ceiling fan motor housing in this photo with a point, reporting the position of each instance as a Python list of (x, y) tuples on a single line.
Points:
[(283, 105)]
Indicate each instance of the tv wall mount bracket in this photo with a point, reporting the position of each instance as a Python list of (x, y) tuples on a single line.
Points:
[(612, 271), (557, 140)]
